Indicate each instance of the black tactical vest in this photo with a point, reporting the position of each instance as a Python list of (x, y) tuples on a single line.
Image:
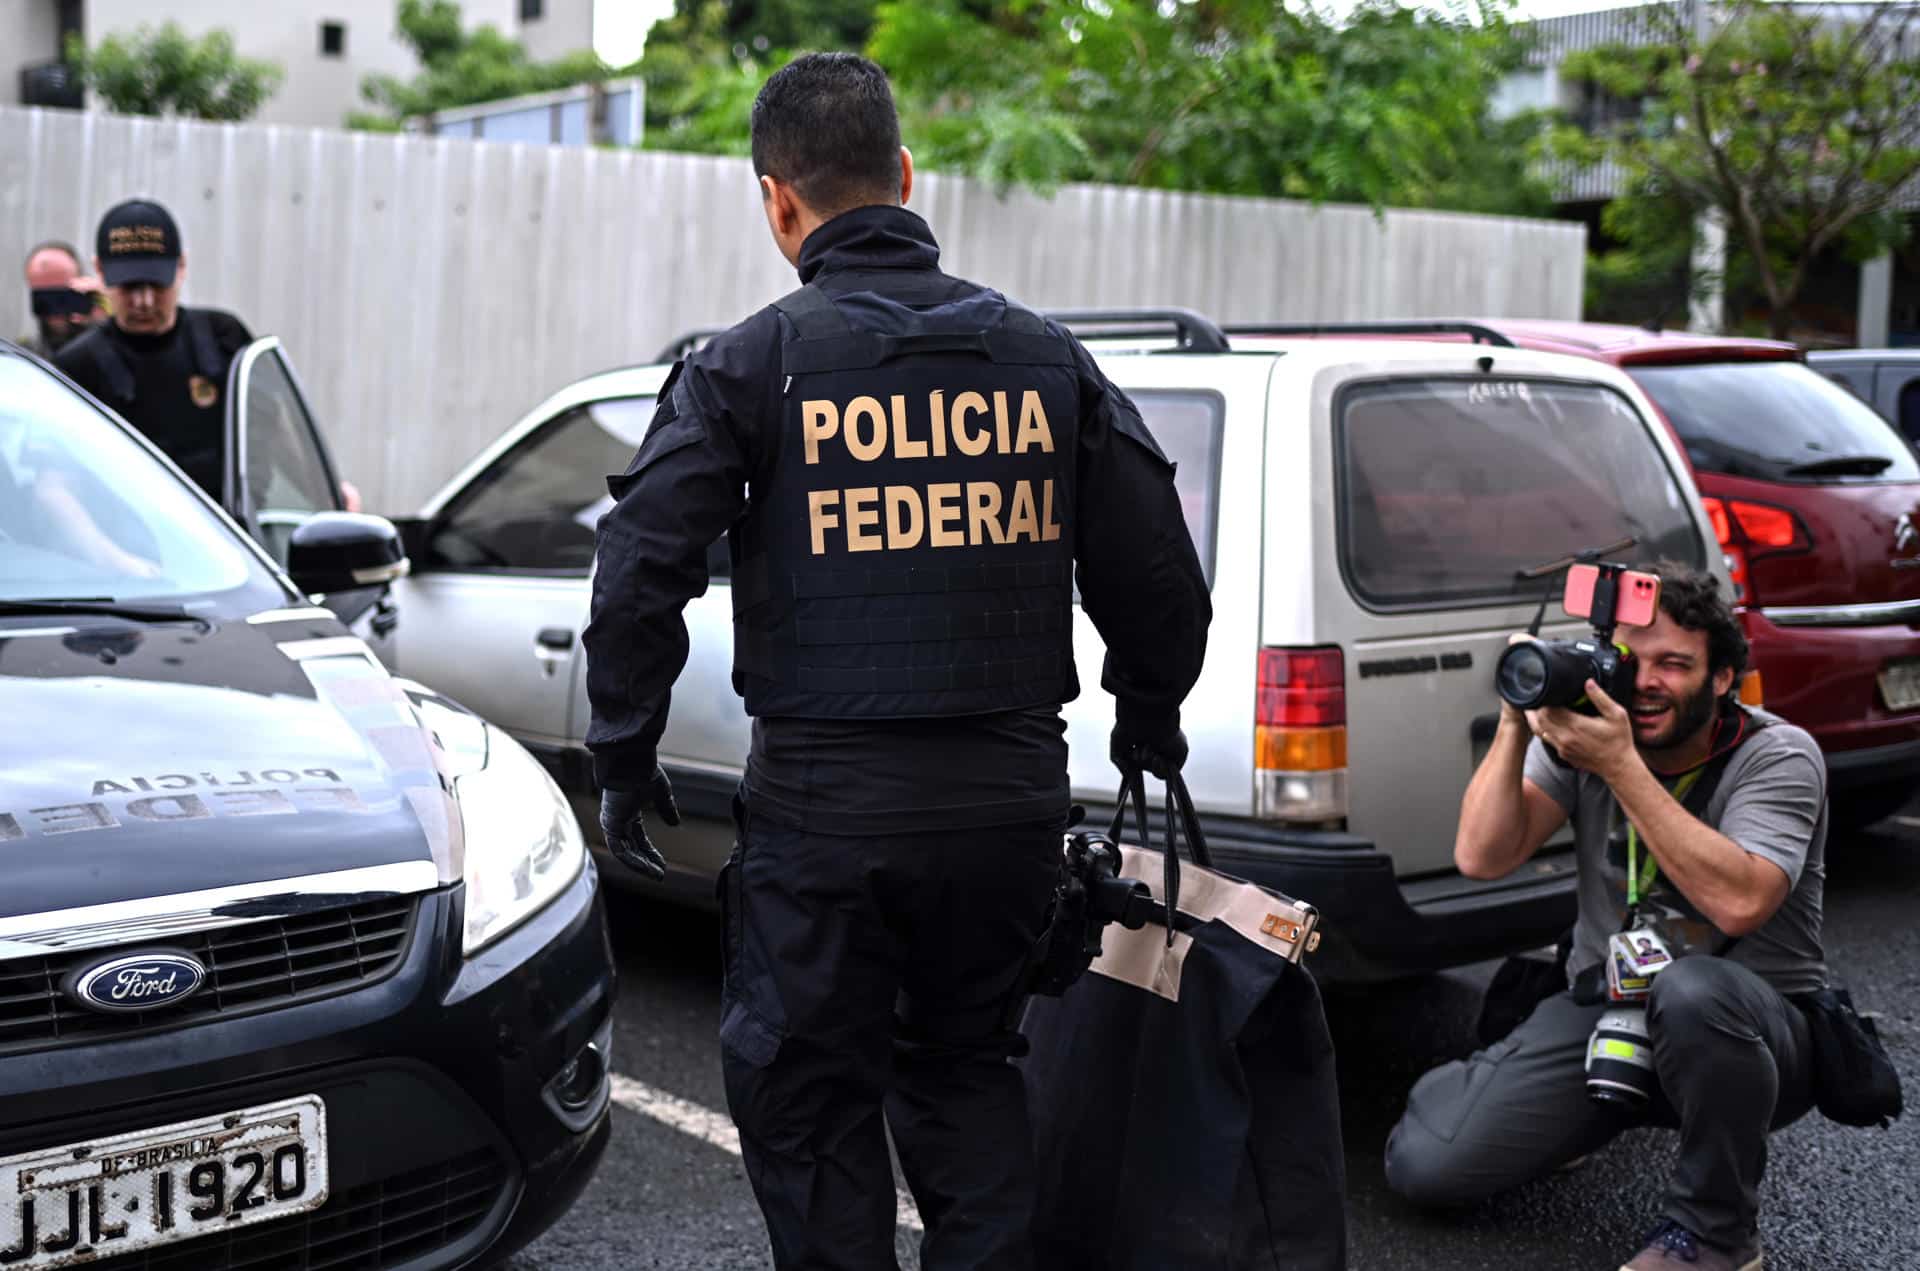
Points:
[(908, 548), (203, 352)]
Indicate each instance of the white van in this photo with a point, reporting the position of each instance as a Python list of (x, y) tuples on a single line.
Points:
[(1363, 509)]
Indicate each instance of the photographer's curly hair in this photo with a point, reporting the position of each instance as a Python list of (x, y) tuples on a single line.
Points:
[(1692, 598)]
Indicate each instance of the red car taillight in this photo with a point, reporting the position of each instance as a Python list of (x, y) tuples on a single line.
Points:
[(1300, 735), (1747, 531)]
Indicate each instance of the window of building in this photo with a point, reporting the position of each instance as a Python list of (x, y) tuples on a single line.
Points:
[(532, 10), (333, 39)]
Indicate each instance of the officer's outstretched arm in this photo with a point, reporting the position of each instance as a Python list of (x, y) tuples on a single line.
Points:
[(1140, 578), (683, 489)]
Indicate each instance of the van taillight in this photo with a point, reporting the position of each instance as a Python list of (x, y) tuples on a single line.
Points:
[(1300, 735), (1747, 530)]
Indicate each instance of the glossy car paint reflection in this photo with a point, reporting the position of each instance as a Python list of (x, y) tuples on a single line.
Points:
[(123, 736)]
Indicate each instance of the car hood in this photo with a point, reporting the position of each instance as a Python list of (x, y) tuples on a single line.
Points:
[(142, 761)]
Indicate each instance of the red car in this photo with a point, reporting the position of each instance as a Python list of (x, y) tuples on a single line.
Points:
[(1817, 502)]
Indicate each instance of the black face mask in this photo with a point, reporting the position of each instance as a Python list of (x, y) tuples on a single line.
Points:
[(60, 302)]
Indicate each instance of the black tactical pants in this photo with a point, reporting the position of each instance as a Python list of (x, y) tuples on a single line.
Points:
[(1733, 1061), (869, 976)]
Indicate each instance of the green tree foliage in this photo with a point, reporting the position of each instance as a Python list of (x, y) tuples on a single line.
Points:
[(157, 72), (1799, 130), (461, 67), (705, 63), (1386, 106), (762, 25)]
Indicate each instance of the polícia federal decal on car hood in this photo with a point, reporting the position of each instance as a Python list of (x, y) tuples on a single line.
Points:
[(141, 761)]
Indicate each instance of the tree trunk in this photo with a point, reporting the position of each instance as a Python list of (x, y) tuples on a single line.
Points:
[(1779, 319)]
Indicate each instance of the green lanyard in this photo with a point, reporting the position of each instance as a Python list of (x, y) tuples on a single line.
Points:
[(1680, 790)]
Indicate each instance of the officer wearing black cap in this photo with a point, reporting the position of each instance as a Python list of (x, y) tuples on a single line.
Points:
[(161, 365), (908, 469)]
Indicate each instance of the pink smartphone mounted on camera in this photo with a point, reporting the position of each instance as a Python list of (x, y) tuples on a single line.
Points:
[(1636, 594)]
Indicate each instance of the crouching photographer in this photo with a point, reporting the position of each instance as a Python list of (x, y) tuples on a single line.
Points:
[(1700, 831)]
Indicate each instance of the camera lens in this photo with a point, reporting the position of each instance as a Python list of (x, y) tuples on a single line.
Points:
[(1538, 673), (1620, 1058), (1522, 674)]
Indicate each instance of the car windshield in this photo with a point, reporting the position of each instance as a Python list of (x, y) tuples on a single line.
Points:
[(1449, 488), (86, 512), (1775, 421)]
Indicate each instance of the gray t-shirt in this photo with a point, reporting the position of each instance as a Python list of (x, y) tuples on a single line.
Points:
[(1771, 800)]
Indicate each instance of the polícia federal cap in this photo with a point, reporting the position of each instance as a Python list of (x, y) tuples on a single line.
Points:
[(138, 243)]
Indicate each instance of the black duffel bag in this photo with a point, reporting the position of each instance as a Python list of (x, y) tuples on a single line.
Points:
[(1182, 1092), (1854, 1082)]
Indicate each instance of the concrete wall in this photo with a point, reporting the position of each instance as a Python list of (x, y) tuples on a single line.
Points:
[(431, 290)]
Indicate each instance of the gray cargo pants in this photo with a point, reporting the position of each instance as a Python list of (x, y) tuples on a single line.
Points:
[(1733, 1060)]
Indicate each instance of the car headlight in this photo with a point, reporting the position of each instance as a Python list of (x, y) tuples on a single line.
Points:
[(523, 844)]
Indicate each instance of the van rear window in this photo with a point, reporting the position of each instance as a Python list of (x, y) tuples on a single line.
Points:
[(1449, 487), (1775, 421), (1187, 426)]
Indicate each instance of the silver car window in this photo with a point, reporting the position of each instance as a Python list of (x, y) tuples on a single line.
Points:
[(1188, 425), (535, 508)]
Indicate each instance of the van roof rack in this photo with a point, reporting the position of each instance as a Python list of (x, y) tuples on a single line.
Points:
[(1192, 332), (1479, 333), (686, 342)]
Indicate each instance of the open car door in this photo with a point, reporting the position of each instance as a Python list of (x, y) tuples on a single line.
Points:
[(278, 471)]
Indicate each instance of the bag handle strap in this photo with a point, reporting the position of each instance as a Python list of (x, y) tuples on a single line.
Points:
[(1181, 821)]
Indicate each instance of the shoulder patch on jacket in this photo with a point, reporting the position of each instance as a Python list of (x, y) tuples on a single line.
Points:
[(671, 430), (1128, 423)]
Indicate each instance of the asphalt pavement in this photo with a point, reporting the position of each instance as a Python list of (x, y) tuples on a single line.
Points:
[(672, 1192)]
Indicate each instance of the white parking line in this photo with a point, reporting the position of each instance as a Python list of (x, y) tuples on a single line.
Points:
[(713, 1127)]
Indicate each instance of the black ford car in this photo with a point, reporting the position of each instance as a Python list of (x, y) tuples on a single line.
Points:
[(301, 966)]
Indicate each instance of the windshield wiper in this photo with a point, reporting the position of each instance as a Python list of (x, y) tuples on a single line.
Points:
[(104, 607), (1843, 466)]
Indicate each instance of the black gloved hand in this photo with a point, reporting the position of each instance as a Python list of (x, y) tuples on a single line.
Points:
[(1161, 751), (622, 821)]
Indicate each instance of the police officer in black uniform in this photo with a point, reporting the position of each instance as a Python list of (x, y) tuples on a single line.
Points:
[(907, 467), (161, 365)]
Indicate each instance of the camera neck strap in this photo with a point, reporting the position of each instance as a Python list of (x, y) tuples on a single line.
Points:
[(1694, 790), (1681, 789)]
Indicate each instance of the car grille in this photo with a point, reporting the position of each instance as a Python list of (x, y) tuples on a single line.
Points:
[(253, 967), (364, 1228)]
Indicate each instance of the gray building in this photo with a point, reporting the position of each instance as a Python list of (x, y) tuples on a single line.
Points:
[(1873, 304), (326, 47)]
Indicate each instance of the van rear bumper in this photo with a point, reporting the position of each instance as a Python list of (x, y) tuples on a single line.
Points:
[(1375, 926)]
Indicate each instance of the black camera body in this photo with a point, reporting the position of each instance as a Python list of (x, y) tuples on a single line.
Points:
[(1539, 673), (1555, 673)]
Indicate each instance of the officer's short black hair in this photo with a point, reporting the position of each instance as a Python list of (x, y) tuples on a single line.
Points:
[(1692, 598), (825, 124)]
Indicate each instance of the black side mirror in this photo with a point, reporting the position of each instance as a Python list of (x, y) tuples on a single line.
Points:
[(339, 551)]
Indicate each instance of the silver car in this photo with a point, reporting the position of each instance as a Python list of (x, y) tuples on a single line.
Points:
[(1362, 509)]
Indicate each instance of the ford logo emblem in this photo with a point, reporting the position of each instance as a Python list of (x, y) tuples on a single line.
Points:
[(138, 982)]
